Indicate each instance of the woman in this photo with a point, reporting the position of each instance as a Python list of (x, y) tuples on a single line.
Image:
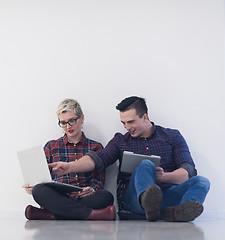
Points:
[(93, 203)]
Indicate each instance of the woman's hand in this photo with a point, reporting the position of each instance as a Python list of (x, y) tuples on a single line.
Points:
[(28, 189), (86, 192)]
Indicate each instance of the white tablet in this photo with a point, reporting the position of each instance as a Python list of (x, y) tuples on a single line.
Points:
[(130, 160)]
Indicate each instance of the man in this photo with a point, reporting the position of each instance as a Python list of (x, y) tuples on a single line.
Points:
[(171, 192)]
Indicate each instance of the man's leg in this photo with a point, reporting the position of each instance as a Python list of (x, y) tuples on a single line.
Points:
[(183, 202), (143, 196)]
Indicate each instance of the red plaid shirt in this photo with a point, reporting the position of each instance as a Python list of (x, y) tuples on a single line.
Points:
[(62, 150)]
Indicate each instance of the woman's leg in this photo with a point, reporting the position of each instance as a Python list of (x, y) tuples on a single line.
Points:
[(66, 208), (98, 200)]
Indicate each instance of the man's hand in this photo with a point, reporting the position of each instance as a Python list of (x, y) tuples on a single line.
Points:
[(160, 174), (60, 168), (177, 176), (28, 189), (86, 191)]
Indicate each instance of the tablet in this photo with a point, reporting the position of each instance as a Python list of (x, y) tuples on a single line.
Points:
[(131, 160)]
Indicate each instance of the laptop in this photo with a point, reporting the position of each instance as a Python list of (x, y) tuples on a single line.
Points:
[(131, 160), (35, 170)]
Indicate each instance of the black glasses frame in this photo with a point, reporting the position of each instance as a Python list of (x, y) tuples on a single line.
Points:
[(63, 124)]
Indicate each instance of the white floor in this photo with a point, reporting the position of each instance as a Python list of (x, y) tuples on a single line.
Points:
[(209, 226)]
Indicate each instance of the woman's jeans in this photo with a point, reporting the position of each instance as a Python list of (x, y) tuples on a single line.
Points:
[(194, 189)]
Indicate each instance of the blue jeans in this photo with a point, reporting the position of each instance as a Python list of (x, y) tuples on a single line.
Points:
[(196, 188)]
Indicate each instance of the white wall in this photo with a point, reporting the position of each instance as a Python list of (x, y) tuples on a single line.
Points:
[(171, 52)]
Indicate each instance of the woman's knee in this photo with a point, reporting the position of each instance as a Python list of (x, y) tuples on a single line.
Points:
[(100, 199), (38, 191), (107, 196)]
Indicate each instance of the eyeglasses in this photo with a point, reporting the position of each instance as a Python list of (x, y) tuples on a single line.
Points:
[(71, 122)]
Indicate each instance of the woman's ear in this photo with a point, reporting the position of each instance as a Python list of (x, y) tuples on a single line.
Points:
[(82, 118)]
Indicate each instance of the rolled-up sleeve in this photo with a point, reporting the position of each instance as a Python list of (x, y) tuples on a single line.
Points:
[(99, 164), (107, 156), (181, 154), (190, 169)]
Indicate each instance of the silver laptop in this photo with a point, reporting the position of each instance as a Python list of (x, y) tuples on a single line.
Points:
[(35, 170), (131, 160)]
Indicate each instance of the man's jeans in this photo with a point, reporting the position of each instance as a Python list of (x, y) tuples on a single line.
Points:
[(196, 188)]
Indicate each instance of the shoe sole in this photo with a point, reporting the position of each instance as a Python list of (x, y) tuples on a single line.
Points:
[(113, 215), (184, 212), (150, 201)]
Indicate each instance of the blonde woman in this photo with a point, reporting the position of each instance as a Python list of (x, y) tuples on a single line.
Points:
[(93, 203)]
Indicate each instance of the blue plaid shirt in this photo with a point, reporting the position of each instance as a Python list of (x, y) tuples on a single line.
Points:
[(167, 143)]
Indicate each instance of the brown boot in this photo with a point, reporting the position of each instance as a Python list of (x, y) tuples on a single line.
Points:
[(108, 213), (184, 212), (34, 213), (150, 201)]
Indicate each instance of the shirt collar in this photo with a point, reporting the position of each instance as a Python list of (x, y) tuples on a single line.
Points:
[(153, 131), (81, 141)]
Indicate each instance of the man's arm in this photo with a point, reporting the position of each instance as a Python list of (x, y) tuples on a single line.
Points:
[(178, 176), (183, 163), (84, 164)]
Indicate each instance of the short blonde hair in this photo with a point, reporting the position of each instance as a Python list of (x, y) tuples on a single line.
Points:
[(69, 105)]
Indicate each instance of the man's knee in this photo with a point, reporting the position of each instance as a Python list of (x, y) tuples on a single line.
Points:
[(146, 164), (201, 182)]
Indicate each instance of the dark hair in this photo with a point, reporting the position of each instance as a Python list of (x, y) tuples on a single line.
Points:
[(133, 102)]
